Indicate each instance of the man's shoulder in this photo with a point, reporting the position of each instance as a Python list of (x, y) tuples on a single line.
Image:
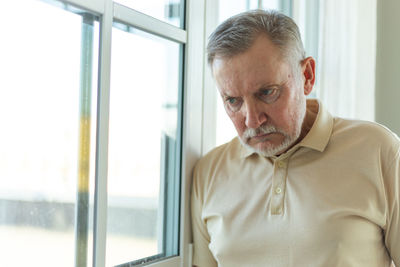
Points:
[(366, 132), (219, 161), (224, 152), (361, 126)]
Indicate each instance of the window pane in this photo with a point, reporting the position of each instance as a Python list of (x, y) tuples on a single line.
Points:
[(44, 133), (272, 4), (171, 11), (228, 8), (143, 147)]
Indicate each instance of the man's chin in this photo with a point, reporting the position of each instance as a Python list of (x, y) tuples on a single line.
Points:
[(269, 152), (267, 148)]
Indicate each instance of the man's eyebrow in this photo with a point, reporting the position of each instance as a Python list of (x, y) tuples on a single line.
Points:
[(269, 85), (225, 95)]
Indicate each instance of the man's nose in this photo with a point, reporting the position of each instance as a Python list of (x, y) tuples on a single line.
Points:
[(255, 116)]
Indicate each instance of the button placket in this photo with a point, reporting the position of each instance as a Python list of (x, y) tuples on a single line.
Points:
[(278, 187)]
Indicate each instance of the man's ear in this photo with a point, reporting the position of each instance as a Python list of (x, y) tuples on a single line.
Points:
[(308, 71)]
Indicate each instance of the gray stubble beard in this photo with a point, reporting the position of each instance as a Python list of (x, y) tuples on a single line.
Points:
[(289, 140)]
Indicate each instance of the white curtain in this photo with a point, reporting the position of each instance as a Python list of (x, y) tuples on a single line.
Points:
[(346, 57)]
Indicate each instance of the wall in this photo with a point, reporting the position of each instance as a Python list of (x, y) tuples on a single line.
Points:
[(388, 64), (365, 62)]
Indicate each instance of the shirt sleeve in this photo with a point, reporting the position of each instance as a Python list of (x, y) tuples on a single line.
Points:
[(202, 256), (392, 231)]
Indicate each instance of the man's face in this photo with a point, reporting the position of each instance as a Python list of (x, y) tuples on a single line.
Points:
[(263, 98)]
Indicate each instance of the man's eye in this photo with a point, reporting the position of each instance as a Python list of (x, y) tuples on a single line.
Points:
[(233, 103), (231, 100), (267, 92), (269, 95)]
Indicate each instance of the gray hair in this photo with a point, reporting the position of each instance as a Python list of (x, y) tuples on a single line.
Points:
[(237, 34)]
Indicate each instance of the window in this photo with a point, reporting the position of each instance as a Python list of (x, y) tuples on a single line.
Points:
[(48, 100), (170, 11), (94, 168), (143, 210)]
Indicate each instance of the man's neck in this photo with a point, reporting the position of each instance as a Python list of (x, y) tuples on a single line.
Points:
[(309, 118)]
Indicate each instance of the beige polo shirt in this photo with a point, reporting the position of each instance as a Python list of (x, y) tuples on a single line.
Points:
[(331, 200)]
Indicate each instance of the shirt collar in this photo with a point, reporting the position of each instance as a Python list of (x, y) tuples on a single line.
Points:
[(320, 133), (318, 136)]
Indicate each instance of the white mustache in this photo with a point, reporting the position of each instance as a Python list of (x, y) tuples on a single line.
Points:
[(264, 129)]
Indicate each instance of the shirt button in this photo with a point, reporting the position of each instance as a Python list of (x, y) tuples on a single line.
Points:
[(278, 190), (281, 164)]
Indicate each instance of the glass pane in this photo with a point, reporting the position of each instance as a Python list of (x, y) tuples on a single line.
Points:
[(143, 151), (171, 11), (228, 8), (272, 4), (46, 142)]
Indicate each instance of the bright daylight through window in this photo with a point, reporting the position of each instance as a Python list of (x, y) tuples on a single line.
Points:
[(48, 90), (143, 146)]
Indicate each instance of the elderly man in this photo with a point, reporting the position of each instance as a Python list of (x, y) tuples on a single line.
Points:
[(297, 187)]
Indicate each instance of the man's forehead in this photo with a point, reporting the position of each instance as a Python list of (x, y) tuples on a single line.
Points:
[(256, 71), (224, 71)]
